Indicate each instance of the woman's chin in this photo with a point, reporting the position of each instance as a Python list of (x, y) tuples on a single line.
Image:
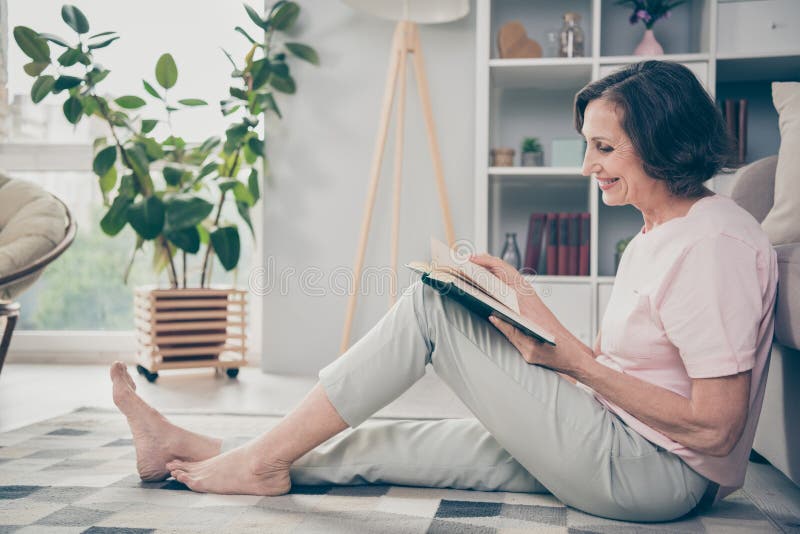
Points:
[(610, 199)]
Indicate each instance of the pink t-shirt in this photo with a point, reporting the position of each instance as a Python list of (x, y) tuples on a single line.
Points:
[(694, 298)]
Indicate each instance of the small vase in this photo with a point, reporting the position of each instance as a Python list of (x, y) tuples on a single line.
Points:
[(510, 252), (648, 45)]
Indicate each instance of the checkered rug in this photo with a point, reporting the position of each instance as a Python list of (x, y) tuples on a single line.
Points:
[(76, 474)]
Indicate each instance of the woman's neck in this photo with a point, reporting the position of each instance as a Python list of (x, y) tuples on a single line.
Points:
[(667, 208)]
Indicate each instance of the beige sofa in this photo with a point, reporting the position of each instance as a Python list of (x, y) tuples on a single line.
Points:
[(778, 435)]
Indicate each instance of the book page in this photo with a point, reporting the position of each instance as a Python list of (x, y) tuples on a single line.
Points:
[(481, 277)]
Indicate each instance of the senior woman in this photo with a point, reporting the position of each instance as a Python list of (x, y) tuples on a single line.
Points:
[(655, 420)]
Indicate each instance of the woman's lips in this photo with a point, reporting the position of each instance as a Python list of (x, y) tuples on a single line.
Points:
[(607, 183)]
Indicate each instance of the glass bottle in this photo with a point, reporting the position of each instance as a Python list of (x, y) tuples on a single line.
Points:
[(571, 36), (511, 251)]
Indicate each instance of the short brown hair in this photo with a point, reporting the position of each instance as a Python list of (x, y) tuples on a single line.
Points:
[(674, 125)]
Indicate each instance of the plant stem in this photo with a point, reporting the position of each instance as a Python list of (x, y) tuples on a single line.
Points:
[(210, 247), (184, 269)]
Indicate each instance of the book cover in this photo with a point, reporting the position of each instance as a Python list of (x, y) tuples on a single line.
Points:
[(533, 244), (573, 237), (730, 115), (583, 248), (741, 128), (476, 288), (551, 251), (563, 244)]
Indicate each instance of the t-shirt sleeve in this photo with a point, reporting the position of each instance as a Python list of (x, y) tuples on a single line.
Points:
[(710, 307)]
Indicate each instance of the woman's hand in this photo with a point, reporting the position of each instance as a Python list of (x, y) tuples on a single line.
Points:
[(565, 357), (530, 304)]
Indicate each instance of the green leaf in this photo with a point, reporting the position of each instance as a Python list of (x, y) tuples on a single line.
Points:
[(284, 85), (149, 88), (89, 106), (138, 161), (148, 125), (32, 44), (41, 87), (244, 211), (54, 39), (207, 169), (253, 186), (187, 239), (226, 246), (66, 82), (69, 57), (73, 109), (130, 102), (242, 194), (116, 217), (128, 186), (103, 44), (85, 59), (285, 16), (166, 71), (172, 175), (184, 211), (96, 76), (247, 36), (235, 92), (209, 144), (255, 17), (303, 52), (152, 148), (102, 34), (108, 180), (104, 160), (256, 145), (34, 68), (147, 217), (75, 19), (260, 70), (234, 135), (193, 102)]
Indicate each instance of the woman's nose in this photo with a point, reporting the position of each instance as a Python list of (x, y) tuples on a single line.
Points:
[(589, 166)]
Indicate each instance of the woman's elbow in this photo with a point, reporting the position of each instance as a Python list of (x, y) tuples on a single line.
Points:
[(724, 440)]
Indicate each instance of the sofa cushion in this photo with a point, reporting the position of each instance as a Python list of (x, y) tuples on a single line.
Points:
[(32, 222), (787, 309), (754, 187), (781, 222)]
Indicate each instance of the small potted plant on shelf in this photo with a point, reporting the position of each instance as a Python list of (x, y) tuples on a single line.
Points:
[(532, 155), (173, 193), (649, 12)]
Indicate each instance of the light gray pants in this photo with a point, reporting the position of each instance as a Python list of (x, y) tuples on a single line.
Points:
[(535, 432)]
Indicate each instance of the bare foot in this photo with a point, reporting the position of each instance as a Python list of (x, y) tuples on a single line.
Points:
[(157, 441), (241, 471)]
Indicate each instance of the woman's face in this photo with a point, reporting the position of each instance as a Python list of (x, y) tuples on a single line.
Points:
[(611, 159)]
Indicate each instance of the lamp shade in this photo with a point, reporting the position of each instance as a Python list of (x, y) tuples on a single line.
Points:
[(420, 11)]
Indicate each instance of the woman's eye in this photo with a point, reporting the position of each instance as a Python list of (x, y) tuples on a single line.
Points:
[(603, 148)]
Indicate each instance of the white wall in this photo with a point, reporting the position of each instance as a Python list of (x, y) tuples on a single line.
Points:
[(320, 155)]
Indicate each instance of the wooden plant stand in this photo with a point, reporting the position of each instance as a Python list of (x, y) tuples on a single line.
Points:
[(190, 328)]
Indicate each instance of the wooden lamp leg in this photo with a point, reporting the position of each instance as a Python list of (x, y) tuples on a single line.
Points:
[(430, 128), (398, 50), (397, 179)]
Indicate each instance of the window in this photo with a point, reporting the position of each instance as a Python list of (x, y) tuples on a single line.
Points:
[(84, 289)]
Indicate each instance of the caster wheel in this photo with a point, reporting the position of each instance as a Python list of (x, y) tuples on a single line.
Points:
[(232, 372), (141, 370), (151, 377)]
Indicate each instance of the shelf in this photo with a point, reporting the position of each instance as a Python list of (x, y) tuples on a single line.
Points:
[(605, 280), (570, 172), (755, 68), (541, 73), (678, 58)]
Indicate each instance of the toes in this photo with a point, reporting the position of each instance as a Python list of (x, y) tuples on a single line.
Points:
[(176, 464)]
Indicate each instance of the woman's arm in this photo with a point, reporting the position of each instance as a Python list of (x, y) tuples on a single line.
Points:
[(710, 421)]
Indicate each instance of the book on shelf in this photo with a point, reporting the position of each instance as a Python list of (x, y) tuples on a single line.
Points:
[(551, 250), (583, 244), (573, 236), (533, 242), (476, 288), (735, 115), (563, 244)]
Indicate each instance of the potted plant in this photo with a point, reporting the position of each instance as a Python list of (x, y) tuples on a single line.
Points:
[(171, 192), (649, 12), (532, 155)]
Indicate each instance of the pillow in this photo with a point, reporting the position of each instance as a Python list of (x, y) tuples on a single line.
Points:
[(782, 224)]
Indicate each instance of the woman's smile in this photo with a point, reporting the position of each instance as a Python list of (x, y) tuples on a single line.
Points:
[(606, 183)]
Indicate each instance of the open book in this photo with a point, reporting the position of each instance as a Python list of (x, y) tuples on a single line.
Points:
[(476, 288)]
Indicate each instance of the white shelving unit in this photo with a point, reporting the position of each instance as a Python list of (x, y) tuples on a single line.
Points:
[(517, 98)]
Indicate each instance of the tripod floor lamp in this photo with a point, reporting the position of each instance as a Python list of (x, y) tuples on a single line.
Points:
[(408, 14)]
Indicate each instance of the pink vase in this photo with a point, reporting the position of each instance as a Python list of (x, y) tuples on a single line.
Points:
[(648, 45)]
